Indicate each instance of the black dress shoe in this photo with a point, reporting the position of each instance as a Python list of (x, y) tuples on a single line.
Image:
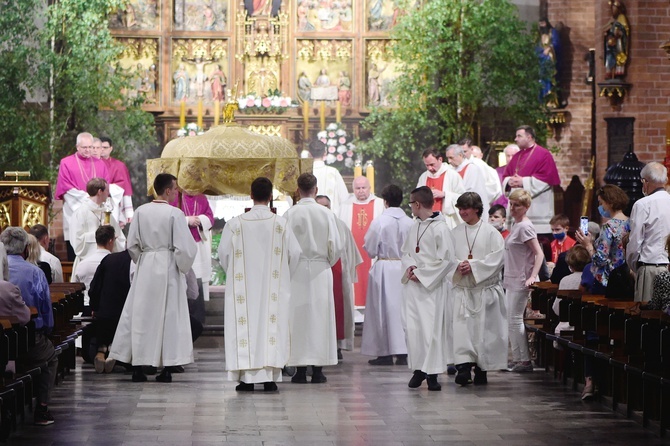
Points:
[(139, 377), (270, 386), (432, 383), (339, 354), (300, 376), (177, 369), (381, 360), (317, 376), (464, 377), (244, 387), (451, 370), (480, 377), (165, 376), (417, 379), (401, 360)]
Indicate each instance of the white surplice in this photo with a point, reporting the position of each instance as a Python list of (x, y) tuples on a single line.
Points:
[(453, 187), (383, 332), (259, 253), (350, 258), (479, 311), (85, 221), (330, 183), (493, 187), (424, 308), (474, 180), (312, 319), (154, 328)]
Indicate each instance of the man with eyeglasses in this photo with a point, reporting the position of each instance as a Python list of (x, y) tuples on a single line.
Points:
[(649, 229), (74, 173), (121, 189)]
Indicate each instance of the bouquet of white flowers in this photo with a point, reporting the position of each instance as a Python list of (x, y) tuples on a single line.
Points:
[(340, 151), (190, 129)]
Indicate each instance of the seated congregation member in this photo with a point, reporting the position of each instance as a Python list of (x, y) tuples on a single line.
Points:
[(41, 233), (479, 313), (383, 334), (427, 255), (164, 250), (497, 219), (34, 288), (577, 258), (607, 253), (523, 259), (33, 256), (104, 239), (312, 308), (107, 293), (562, 241), (260, 251)]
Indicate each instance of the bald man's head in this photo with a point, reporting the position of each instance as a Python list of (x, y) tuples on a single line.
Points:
[(361, 187)]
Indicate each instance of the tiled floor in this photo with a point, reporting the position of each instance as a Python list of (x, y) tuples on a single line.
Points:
[(360, 405)]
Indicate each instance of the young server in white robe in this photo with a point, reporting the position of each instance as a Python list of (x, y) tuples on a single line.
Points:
[(479, 318), (427, 255), (259, 253), (383, 333), (312, 318), (154, 328)]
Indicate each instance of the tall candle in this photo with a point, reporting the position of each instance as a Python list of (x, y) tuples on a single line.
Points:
[(358, 169), (182, 114), (322, 115), (200, 112), (370, 174), (338, 112), (305, 117), (217, 108)]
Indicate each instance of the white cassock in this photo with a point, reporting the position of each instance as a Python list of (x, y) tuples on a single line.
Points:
[(154, 328), (425, 309), (452, 186), (541, 209), (493, 188), (479, 311), (474, 180), (330, 183), (359, 215), (86, 270), (350, 258), (312, 319), (259, 254), (383, 332), (85, 221)]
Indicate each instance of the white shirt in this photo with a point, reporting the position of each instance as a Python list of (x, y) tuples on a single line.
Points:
[(649, 228), (54, 263)]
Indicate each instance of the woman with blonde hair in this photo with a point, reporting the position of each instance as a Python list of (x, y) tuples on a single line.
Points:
[(523, 259), (33, 256)]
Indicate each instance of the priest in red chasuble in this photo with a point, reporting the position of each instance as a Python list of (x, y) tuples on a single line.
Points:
[(445, 183), (358, 212)]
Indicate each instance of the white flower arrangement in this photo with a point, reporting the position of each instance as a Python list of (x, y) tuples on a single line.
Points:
[(190, 129), (273, 103), (340, 151)]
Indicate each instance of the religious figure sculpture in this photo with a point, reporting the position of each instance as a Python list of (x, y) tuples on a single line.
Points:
[(218, 82), (304, 87), (323, 80), (344, 89), (616, 41), (200, 77), (259, 7), (549, 52), (374, 92), (262, 81), (181, 83)]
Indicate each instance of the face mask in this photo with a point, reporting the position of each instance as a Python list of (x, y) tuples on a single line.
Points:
[(603, 212), (499, 225), (559, 236)]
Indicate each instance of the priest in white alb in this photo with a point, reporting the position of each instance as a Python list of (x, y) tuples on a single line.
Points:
[(474, 155), (427, 257), (479, 311), (154, 328), (329, 179), (383, 333), (259, 253), (474, 178), (358, 212), (445, 184), (312, 318)]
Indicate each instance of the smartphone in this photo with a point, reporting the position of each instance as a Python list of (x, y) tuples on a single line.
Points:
[(584, 225)]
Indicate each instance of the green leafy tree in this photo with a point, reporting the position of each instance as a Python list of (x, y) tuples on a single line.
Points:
[(58, 78), (464, 63)]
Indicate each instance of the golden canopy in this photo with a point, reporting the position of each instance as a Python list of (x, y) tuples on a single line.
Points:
[(226, 159)]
